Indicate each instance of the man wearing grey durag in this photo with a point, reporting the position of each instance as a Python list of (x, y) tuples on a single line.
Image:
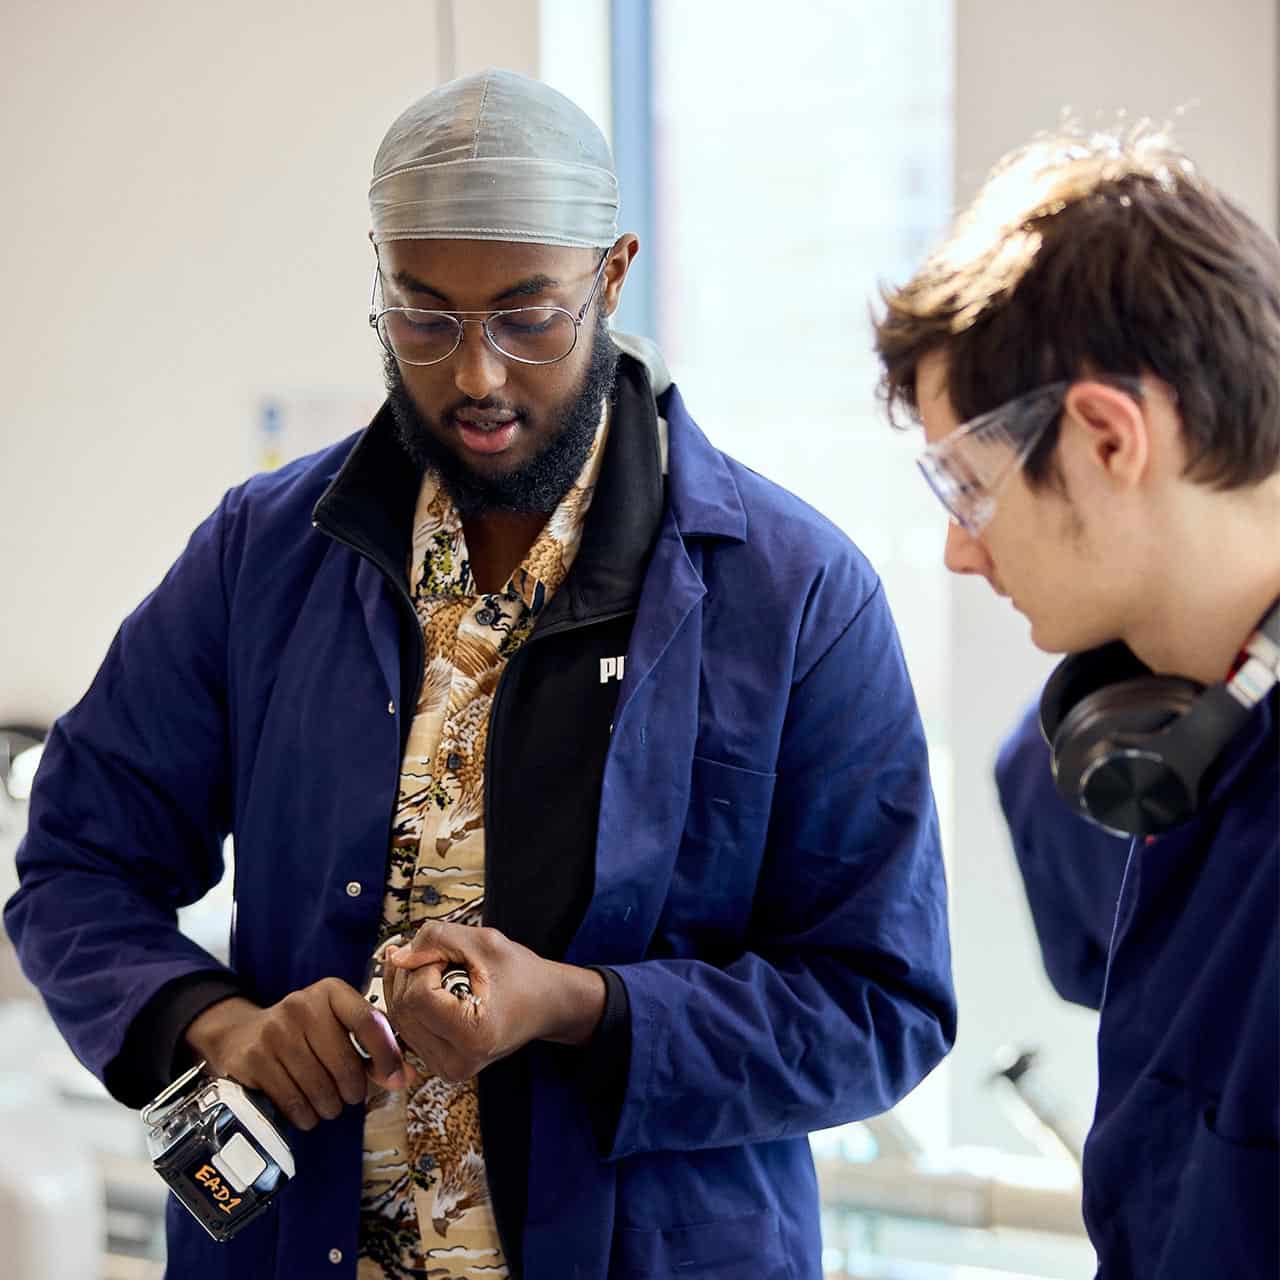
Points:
[(525, 679)]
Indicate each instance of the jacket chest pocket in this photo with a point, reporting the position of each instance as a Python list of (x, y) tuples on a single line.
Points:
[(744, 1248), (714, 880), (1210, 1202)]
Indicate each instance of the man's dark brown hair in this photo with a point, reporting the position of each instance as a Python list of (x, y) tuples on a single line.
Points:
[(1093, 255)]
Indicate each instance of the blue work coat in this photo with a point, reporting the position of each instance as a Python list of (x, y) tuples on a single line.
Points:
[(1182, 1165), (1176, 939), (766, 784)]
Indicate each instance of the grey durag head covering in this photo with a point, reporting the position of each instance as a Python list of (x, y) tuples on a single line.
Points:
[(495, 156)]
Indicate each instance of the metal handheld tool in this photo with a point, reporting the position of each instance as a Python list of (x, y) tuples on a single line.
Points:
[(373, 992), (220, 1149)]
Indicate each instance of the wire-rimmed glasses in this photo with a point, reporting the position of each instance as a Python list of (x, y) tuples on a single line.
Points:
[(966, 468), (529, 335)]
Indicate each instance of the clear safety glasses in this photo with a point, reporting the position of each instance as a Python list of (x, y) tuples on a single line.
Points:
[(966, 468)]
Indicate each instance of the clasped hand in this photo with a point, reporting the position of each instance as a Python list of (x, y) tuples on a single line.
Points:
[(517, 996)]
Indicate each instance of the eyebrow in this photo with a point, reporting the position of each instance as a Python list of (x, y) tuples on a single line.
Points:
[(530, 287)]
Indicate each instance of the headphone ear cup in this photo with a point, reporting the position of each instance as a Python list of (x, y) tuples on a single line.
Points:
[(1106, 767), (1081, 674)]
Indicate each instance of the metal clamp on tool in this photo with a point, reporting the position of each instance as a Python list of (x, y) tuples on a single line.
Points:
[(457, 982), (219, 1147)]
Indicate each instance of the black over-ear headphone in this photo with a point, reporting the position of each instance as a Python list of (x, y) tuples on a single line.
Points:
[(1131, 749)]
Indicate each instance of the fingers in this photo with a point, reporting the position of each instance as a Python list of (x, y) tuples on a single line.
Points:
[(313, 1077), (239, 1040), (353, 1014), (442, 1059), (300, 1054), (309, 1041), (418, 996), (394, 981), (288, 1095), (283, 1065), (408, 958), (438, 941)]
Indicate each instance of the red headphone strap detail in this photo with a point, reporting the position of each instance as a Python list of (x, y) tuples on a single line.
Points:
[(1257, 668)]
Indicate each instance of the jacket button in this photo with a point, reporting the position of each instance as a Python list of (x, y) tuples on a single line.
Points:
[(391, 708), (354, 888), (454, 761), (335, 1256)]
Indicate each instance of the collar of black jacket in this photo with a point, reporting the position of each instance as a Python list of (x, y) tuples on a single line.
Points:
[(370, 504)]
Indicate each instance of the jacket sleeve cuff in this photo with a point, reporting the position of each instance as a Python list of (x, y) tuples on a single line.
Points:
[(154, 1052), (607, 1059)]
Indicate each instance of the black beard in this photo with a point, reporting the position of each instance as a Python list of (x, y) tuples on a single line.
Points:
[(541, 482)]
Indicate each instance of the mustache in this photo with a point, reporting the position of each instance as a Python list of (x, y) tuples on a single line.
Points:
[(490, 404)]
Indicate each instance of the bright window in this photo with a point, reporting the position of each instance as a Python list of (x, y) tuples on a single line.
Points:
[(802, 155)]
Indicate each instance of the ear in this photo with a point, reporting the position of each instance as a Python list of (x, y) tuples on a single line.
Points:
[(1109, 429), (615, 272)]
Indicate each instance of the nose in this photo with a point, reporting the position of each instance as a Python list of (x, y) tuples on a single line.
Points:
[(479, 370), (964, 553)]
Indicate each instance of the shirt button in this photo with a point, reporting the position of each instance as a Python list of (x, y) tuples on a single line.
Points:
[(391, 708), (454, 761), (335, 1256), (354, 888)]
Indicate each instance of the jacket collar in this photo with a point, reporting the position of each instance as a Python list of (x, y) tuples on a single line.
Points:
[(626, 509), (704, 497), (370, 502), (705, 500)]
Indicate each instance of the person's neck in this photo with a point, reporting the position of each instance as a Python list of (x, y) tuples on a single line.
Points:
[(497, 543), (1219, 574)]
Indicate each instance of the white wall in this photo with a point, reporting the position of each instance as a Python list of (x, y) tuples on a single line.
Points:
[(1208, 68), (185, 230), (1019, 62), (574, 55)]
